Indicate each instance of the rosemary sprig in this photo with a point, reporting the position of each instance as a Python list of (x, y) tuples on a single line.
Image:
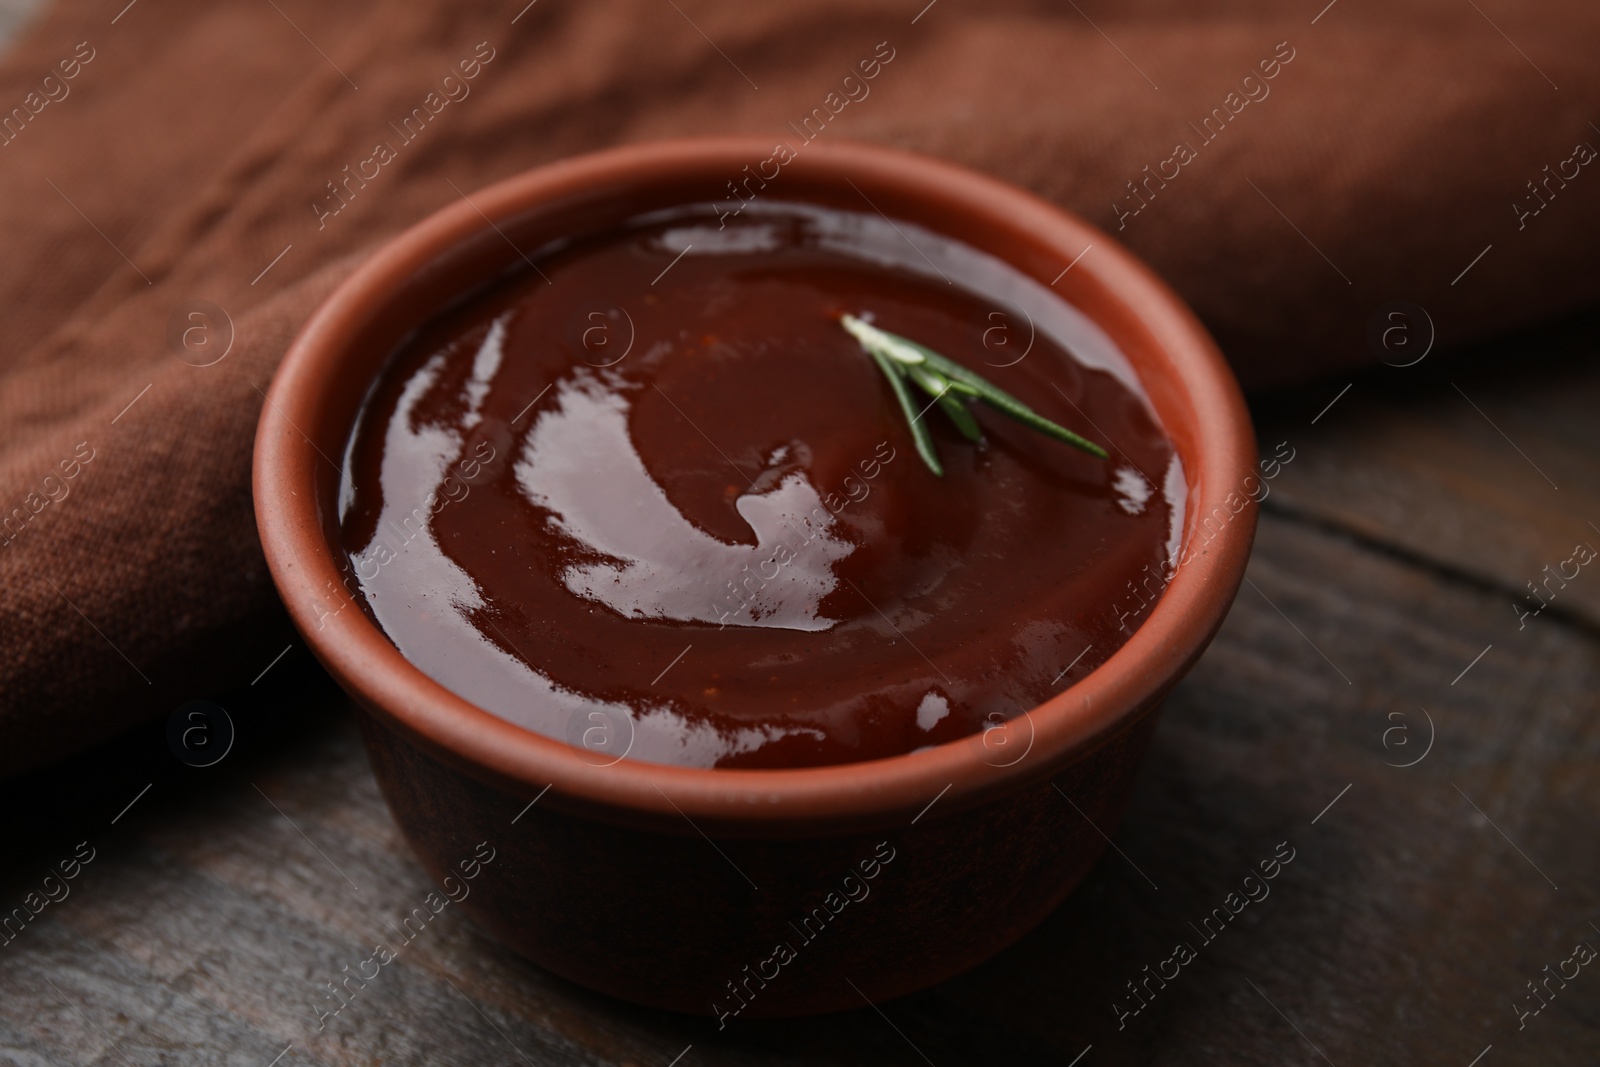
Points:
[(950, 385)]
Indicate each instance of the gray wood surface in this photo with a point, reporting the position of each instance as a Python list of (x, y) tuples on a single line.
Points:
[(14, 18), (1420, 900)]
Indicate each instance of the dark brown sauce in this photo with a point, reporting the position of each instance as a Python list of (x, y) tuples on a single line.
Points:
[(662, 506)]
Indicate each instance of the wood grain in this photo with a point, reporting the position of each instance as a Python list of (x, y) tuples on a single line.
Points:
[(1481, 463)]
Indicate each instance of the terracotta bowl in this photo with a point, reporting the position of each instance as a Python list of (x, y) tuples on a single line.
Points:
[(741, 893)]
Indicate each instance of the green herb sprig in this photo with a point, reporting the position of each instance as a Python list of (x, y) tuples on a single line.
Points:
[(950, 386)]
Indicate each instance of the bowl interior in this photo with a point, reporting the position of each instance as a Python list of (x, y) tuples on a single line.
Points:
[(314, 402)]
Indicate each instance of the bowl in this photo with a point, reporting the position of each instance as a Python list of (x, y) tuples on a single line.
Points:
[(744, 893)]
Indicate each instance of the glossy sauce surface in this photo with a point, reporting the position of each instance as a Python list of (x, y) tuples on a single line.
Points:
[(652, 500)]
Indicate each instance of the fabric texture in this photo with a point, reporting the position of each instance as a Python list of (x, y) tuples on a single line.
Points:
[(1290, 168)]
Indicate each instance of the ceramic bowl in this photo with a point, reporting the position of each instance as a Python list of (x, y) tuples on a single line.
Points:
[(743, 893)]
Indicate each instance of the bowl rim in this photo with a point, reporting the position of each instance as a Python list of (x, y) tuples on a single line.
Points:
[(959, 773)]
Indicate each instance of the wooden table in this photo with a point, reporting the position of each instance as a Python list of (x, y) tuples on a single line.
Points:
[(1379, 627)]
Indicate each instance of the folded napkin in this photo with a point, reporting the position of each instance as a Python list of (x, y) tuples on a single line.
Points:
[(181, 184)]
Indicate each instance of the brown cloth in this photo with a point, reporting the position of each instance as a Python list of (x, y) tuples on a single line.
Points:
[(1291, 168)]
